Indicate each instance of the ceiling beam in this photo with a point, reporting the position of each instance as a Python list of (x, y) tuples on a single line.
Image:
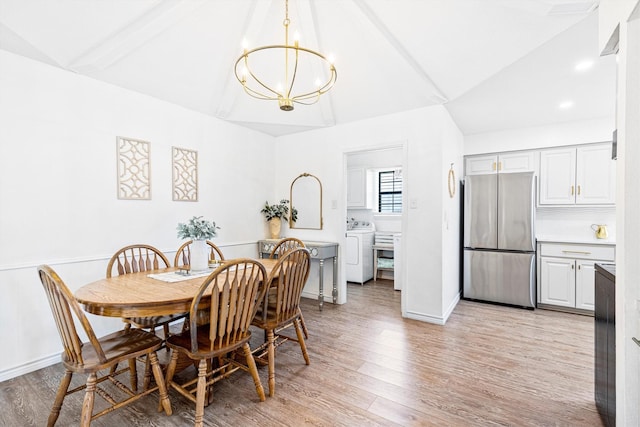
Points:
[(256, 16), (438, 96), (123, 42)]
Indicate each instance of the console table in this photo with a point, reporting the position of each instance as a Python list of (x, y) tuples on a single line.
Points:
[(320, 251)]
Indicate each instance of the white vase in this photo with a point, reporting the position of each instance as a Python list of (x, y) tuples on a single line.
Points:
[(199, 255)]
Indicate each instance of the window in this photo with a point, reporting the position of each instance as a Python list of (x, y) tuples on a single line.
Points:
[(390, 191)]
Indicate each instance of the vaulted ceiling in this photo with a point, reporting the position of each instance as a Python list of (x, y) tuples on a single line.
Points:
[(494, 64)]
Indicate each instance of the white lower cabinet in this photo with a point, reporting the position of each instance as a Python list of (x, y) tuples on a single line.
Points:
[(566, 274)]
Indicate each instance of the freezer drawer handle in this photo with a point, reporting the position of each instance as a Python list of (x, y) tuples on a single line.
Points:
[(577, 252)]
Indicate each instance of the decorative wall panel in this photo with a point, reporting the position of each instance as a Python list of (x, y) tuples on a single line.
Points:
[(134, 169), (185, 175)]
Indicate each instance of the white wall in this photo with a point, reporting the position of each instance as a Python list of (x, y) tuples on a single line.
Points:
[(569, 133), (58, 200), (423, 133), (450, 216), (626, 14)]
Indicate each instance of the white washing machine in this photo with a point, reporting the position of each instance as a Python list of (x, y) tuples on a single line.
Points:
[(359, 255)]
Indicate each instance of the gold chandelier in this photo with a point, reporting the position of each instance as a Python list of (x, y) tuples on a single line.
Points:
[(299, 62)]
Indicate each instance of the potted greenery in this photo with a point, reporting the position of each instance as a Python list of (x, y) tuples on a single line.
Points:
[(199, 230), (274, 215)]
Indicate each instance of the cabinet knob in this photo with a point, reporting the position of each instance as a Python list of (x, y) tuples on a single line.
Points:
[(572, 188), (578, 190), (572, 266)]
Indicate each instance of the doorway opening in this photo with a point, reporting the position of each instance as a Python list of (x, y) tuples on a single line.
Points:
[(375, 191)]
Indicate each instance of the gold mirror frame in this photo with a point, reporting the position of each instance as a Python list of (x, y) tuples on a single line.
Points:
[(306, 207)]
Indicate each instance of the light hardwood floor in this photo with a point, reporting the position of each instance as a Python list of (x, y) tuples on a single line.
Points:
[(490, 365)]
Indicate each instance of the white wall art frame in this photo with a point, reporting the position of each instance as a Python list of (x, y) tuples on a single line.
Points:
[(185, 174), (134, 169)]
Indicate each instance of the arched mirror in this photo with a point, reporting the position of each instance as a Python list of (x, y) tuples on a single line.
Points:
[(306, 202)]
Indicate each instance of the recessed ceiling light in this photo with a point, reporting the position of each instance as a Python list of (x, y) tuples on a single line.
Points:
[(584, 65), (565, 105)]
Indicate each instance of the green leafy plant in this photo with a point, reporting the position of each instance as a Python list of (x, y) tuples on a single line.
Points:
[(281, 210), (294, 214), (197, 229)]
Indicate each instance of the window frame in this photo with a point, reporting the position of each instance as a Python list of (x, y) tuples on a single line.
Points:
[(396, 193)]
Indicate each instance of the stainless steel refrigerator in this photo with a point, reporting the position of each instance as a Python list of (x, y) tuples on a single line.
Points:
[(499, 239)]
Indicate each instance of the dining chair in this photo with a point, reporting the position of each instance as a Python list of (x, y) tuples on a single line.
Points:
[(231, 293), (133, 259), (285, 245), (137, 258), (183, 254), (282, 247), (97, 354), (183, 257), (287, 278)]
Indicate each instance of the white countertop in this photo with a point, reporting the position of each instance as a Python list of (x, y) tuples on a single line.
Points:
[(578, 240)]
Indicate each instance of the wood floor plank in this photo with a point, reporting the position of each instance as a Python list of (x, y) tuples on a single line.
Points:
[(489, 365)]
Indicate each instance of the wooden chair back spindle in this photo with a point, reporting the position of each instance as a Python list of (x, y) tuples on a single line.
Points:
[(285, 245), (136, 258)]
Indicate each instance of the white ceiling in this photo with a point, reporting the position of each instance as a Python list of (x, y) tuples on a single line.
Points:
[(495, 64)]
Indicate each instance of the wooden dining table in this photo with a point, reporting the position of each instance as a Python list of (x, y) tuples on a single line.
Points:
[(141, 295)]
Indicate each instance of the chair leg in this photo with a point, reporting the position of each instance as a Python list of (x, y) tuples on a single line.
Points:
[(60, 395), (200, 392), (133, 374), (251, 363), (271, 357), (147, 373), (168, 379), (162, 389), (304, 326), (209, 395), (303, 345), (165, 329), (87, 404)]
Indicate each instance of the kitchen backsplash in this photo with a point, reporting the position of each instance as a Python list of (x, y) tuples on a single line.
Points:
[(574, 223)]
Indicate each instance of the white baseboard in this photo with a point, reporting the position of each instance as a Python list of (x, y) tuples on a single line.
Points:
[(25, 368), (451, 307), (425, 318), (438, 320)]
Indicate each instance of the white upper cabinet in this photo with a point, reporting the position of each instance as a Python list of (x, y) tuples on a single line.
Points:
[(582, 175), (523, 161), (356, 188), (557, 176), (595, 175), (481, 164)]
